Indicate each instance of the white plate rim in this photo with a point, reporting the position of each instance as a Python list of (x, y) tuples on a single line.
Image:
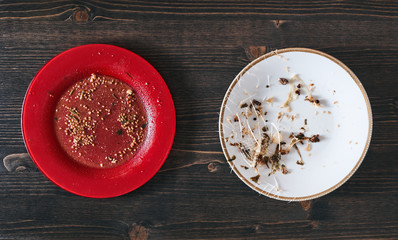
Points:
[(353, 77)]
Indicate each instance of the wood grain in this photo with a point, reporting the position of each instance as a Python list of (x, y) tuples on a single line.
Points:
[(124, 10), (198, 47)]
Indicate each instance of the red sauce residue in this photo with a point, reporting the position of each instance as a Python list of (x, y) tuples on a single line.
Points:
[(100, 122)]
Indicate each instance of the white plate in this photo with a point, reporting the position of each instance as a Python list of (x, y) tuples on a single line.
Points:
[(343, 121)]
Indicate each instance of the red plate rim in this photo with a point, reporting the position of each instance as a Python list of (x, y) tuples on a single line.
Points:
[(38, 110)]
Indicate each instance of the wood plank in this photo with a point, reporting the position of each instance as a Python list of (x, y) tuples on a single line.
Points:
[(122, 10), (215, 210), (198, 230)]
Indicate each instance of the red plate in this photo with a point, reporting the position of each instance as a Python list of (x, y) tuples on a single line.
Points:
[(38, 114)]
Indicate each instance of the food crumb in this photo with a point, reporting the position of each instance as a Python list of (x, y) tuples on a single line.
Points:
[(270, 100), (311, 99), (308, 147), (280, 115), (284, 169), (300, 162), (255, 178), (314, 138), (283, 81), (287, 69), (335, 102), (338, 125)]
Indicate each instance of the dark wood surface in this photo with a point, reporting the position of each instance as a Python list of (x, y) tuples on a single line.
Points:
[(198, 47)]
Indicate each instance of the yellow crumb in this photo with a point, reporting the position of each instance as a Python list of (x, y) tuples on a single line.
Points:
[(308, 147)]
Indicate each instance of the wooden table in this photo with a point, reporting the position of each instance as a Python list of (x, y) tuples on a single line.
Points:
[(198, 47)]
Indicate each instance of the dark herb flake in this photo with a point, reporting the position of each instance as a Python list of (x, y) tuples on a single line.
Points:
[(283, 81), (284, 169), (130, 75), (232, 158), (255, 102), (300, 162), (300, 136), (314, 138), (255, 178), (244, 105)]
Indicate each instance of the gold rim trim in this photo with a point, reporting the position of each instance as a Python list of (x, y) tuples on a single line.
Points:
[(352, 75)]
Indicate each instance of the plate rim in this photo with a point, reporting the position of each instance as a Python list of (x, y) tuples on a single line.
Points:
[(353, 77)]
